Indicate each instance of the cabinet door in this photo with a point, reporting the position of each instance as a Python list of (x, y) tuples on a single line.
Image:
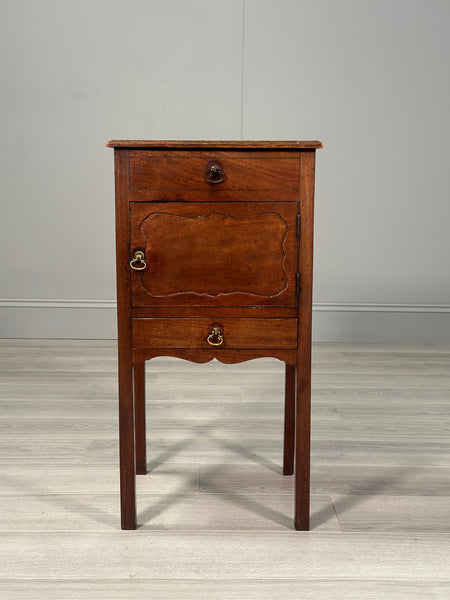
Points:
[(214, 254)]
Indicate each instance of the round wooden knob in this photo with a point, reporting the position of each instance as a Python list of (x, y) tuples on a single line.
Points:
[(214, 172)]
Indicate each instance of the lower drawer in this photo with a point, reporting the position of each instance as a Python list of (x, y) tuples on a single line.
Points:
[(210, 333)]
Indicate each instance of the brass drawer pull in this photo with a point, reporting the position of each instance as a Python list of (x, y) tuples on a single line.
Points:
[(215, 338), (214, 172), (138, 262)]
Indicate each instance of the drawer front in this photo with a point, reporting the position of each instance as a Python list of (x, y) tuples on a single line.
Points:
[(217, 333), (214, 254), (217, 172)]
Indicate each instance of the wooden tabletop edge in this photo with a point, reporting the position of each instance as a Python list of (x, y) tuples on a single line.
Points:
[(224, 144)]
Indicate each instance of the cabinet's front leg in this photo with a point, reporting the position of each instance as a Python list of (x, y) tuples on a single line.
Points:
[(289, 421), (302, 446), (139, 417), (127, 452)]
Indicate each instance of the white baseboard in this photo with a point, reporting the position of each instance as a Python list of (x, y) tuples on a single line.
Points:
[(379, 307), (55, 318), (382, 323), (332, 322)]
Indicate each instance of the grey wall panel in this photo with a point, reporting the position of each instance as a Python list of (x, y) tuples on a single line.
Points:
[(370, 80), (74, 75)]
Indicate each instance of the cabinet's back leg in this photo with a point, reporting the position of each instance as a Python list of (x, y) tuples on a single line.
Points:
[(139, 417), (289, 421)]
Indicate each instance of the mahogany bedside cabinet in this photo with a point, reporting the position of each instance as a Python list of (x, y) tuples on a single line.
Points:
[(214, 245)]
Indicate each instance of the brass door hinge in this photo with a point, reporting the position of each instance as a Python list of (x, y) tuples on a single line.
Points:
[(299, 220)]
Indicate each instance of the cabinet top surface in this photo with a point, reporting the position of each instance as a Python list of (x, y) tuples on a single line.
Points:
[(225, 144)]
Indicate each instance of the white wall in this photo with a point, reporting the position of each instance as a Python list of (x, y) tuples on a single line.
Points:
[(368, 78)]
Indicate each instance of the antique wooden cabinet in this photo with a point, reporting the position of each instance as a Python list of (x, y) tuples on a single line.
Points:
[(214, 260)]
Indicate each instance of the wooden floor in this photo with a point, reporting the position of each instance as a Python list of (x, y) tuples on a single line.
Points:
[(215, 512)]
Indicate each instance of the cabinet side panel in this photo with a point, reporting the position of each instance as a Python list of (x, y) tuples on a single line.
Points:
[(122, 249), (307, 174)]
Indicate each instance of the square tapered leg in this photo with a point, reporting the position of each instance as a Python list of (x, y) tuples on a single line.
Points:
[(289, 421), (139, 418), (127, 452), (302, 447)]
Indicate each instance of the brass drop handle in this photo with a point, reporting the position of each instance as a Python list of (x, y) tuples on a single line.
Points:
[(214, 172), (138, 262), (215, 338)]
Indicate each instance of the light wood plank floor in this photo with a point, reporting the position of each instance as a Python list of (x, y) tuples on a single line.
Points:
[(215, 512)]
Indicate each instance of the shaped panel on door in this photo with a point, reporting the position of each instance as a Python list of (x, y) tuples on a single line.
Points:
[(215, 254)]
